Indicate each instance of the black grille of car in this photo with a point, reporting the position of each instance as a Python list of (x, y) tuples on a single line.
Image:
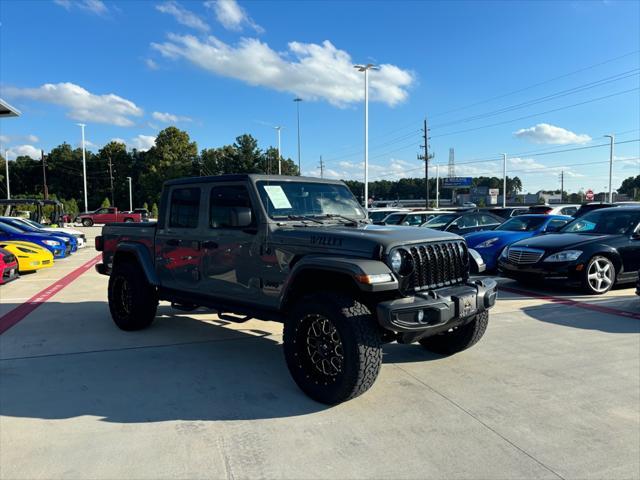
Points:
[(9, 258), (438, 265)]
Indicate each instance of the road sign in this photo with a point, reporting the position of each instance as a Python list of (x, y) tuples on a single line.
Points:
[(494, 192), (588, 195), (457, 182)]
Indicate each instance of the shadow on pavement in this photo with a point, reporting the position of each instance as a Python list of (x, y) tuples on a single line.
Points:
[(576, 317), (178, 369)]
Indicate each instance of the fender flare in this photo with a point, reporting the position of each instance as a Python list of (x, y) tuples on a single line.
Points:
[(142, 255), (351, 267)]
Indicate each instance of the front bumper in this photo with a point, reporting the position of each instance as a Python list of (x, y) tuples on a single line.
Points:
[(437, 310), (551, 270)]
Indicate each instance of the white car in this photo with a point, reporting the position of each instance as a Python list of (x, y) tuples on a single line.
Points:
[(80, 237), (565, 209)]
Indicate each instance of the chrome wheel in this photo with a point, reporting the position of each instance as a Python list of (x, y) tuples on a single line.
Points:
[(600, 275)]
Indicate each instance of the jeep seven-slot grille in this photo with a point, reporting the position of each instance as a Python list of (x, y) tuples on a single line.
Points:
[(438, 264)]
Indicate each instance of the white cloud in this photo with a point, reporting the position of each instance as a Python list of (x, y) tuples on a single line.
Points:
[(169, 117), (143, 142), (183, 16), (316, 72), (151, 64), (93, 6), (32, 138), (523, 166), (4, 139), (232, 16), (550, 134), (24, 150), (82, 104)]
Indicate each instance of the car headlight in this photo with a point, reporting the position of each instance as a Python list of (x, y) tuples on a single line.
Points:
[(505, 252), (487, 243), (564, 256), (51, 243), (395, 259)]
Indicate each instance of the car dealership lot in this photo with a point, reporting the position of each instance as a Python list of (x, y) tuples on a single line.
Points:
[(552, 391)]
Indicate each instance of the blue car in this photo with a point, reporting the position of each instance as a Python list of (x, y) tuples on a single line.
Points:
[(27, 228), (489, 244), (55, 245)]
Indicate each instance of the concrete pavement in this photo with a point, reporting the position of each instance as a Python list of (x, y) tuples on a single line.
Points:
[(551, 391)]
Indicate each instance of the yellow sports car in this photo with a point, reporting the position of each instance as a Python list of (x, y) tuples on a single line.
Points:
[(29, 255)]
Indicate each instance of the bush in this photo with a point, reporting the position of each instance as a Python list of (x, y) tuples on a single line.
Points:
[(154, 211), (105, 203)]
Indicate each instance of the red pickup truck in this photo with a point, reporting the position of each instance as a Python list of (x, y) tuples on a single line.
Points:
[(108, 215)]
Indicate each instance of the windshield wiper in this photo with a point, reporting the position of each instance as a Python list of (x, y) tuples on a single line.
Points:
[(354, 221), (304, 217)]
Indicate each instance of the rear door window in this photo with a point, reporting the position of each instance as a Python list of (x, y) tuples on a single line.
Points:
[(222, 202), (184, 208)]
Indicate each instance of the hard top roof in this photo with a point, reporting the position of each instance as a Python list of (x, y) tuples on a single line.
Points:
[(253, 177)]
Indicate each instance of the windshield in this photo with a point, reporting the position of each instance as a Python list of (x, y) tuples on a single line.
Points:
[(25, 227), (394, 218), (9, 229), (522, 224), (378, 216), (441, 220), (284, 199), (33, 224), (604, 221)]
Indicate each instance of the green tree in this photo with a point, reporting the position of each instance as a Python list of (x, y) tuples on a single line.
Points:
[(154, 210), (106, 203)]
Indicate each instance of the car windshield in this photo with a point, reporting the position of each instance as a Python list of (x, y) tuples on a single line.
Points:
[(441, 220), (308, 199), (9, 229), (604, 221), (34, 224), (378, 216), (394, 218), (522, 224), (20, 225)]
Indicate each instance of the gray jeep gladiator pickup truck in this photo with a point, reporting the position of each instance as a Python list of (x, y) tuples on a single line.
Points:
[(300, 251)]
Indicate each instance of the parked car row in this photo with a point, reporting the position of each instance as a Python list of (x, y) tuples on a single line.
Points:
[(27, 246)]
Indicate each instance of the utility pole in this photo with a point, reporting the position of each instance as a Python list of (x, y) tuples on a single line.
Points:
[(613, 139), (279, 162), (561, 186), (504, 180), (45, 188), (425, 157), (6, 166), (298, 100), (84, 169), (113, 203), (130, 196), (321, 167)]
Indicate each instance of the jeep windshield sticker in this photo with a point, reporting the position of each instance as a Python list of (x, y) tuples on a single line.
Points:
[(277, 196)]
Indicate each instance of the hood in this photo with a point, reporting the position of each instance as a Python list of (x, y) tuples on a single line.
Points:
[(364, 238), (558, 241), (68, 231), (504, 236)]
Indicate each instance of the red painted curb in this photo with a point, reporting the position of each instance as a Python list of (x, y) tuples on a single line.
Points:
[(573, 303), (14, 316)]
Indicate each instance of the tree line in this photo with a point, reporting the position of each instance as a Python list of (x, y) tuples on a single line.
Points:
[(174, 155)]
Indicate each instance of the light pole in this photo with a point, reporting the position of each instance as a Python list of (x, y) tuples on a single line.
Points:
[(298, 100), (130, 196), (437, 186), (504, 180), (279, 162), (613, 139), (84, 168), (6, 165), (365, 69)]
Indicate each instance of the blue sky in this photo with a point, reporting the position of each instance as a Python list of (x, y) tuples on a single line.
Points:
[(220, 68)]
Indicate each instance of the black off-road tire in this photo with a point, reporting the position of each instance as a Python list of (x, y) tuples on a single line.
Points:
[(359, 341), (87, 222), (459, 339), (132, 300)]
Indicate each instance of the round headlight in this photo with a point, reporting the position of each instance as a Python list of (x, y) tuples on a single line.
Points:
[(396, 260)]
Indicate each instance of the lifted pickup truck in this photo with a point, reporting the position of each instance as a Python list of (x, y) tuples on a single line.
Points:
[(300, 251), (108, 215)]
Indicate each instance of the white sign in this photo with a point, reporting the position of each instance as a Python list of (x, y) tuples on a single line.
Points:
[(277, 196), (494, 192)]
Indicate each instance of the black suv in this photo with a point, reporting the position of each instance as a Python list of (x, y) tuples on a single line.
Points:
[(300, 251)]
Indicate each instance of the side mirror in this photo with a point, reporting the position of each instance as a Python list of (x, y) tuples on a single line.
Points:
[(636, 235), (240, 217)]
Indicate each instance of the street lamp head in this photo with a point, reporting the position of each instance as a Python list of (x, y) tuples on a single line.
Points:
[(297, 99), (368, 66), (81, 125)]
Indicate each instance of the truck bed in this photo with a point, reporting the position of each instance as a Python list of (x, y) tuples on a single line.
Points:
[(114, 234)]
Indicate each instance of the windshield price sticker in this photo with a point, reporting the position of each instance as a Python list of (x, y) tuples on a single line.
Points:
[(277, 196)]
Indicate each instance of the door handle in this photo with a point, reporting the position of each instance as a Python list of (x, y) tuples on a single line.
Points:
[(209, 244), (173, 242)]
